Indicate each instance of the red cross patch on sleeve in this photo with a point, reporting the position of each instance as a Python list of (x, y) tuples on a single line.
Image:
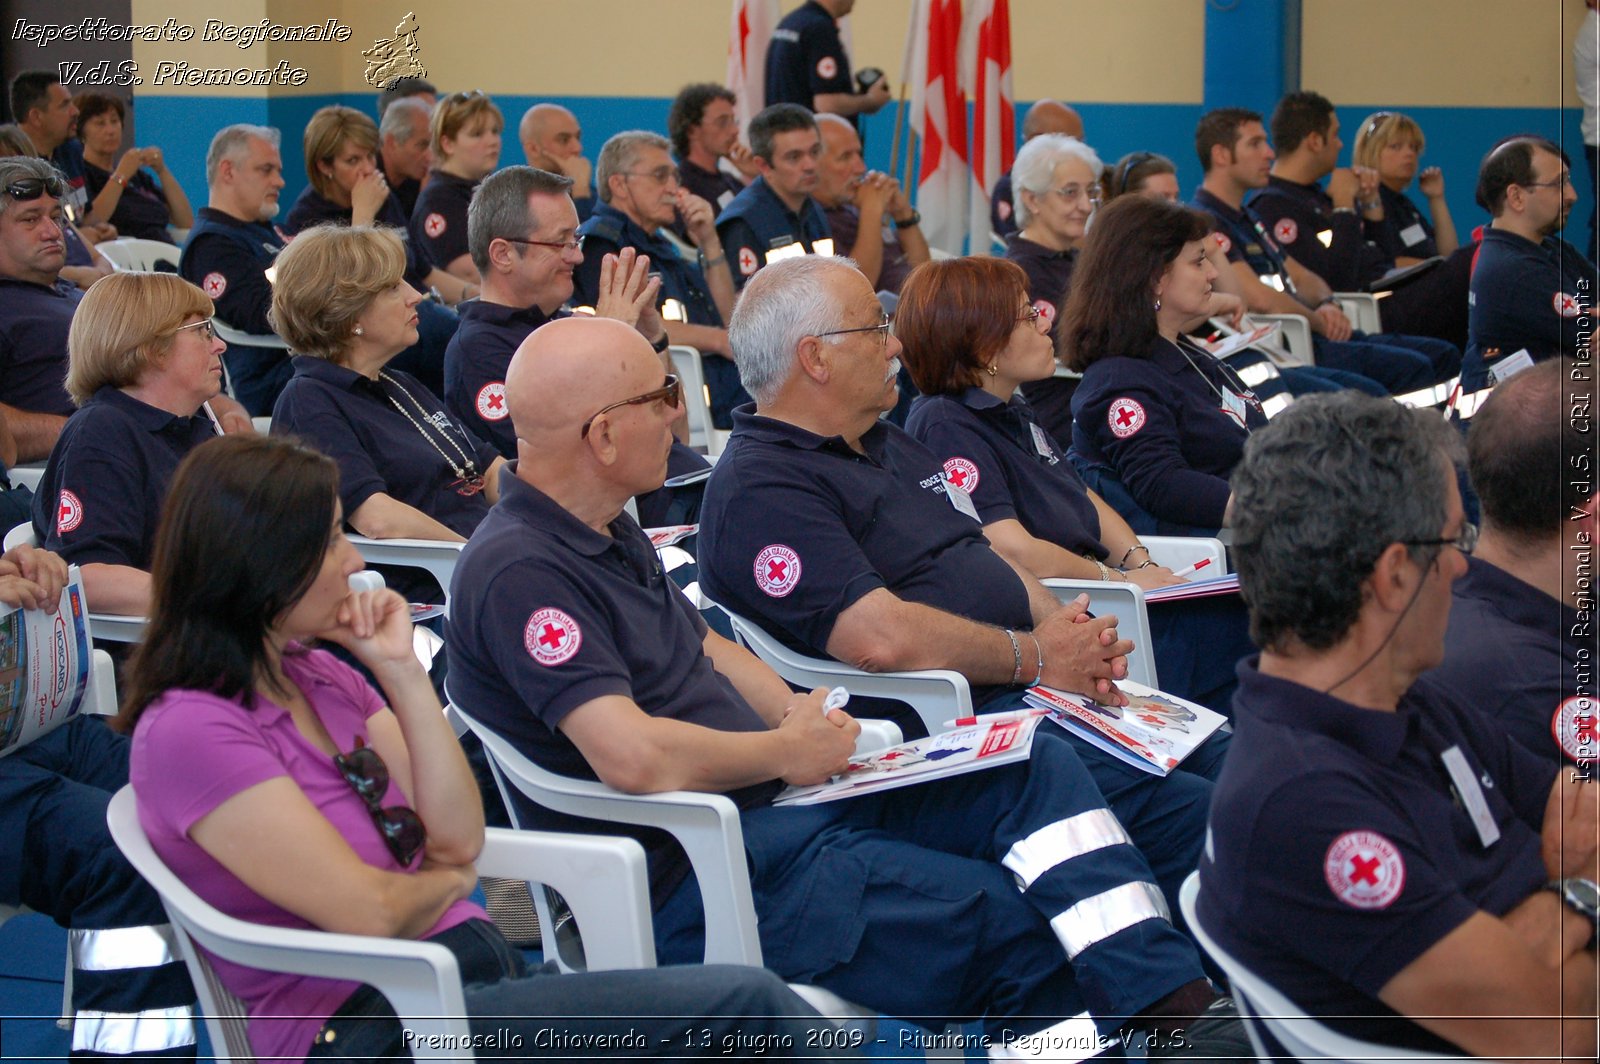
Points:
[(1364, 870), (1125, 416), (214, 284), (433, 224), (1286, 231), (777, 570), (962, 473), (492, 401), (551, 636)]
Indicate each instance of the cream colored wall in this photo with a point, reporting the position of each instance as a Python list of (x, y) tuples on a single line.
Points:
[(1476, 53), (1082, 50)]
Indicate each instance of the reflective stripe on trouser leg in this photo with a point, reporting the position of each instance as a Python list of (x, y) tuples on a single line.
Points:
[(122, 1033), (115, 948), (1096, 919), (142, 965), (1061, 841)]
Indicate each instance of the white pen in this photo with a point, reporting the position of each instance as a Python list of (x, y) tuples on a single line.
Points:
[(996, 718), (1201, 564)]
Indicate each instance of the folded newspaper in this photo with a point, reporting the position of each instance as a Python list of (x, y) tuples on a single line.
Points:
[(985, 744), (44, 667), (1155, 731)]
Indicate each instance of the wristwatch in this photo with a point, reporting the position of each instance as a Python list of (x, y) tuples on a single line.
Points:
[(907, 223), (1582, 896)]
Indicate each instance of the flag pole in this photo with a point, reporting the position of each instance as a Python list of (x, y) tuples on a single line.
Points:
[(899, 125)]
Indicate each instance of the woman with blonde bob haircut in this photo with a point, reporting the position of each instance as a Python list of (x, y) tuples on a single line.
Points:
[(145, 369), (1392, 143), (466, 130), (348, 188), (406, 467)]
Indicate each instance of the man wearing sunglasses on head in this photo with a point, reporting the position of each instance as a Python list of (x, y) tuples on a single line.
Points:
[(36, 304)]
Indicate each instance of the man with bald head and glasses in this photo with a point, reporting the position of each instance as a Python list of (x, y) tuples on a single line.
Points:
[(1531, 290), (569, 640)]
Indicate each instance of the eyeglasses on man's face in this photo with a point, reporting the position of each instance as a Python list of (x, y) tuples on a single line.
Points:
[(570, 244), (1463, 541), (882, 329)]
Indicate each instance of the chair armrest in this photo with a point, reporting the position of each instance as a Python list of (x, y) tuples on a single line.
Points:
[(101, 698), (877, 735), (705, 825), (1362, 310), (1126, 601), (436, 556), (603, 879), (937, 695), (116, 628)]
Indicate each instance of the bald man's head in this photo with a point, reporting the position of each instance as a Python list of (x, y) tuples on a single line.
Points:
[(549, 132), (1051, 116)]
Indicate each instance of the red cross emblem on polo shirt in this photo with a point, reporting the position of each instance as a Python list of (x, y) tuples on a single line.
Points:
[(1364, 870), (495, 402), (1566, 305), (1125, 416), (69, 511), (214, 284), (958, 477), (551, 636), (777, 568)]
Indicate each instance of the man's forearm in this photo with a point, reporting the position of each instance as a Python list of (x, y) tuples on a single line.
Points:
[(883, 633), (35, 433)]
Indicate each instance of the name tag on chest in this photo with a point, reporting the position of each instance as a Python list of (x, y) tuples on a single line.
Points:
[(1470, 792), (959, 499), (1413, 234)]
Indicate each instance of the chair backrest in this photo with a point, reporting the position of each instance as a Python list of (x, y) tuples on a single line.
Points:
[(134, 253), (938, 695), (21, 535), (687, 364), (421, 979), (1267, 1011), (238, 337)]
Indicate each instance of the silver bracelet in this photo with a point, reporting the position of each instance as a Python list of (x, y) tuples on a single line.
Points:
[(1038, 652), (1016, 655), (1136, 546)]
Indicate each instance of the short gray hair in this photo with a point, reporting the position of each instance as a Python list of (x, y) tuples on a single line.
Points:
[(499, 207), (401, 117), (21, 168), (232, 142), (783, 303), (1035, 168), (1321, 492), (621, 153)]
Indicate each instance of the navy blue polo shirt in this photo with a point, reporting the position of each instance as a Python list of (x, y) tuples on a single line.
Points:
[(1159, 422), (34, 320), (438, 220), (1011, 467), (796, 527), (1512, 652), (713, 186), (806, 59), (406, 192), (608, 231), (1299, 216), (313, 208), (475, 364), (352, 420), (1526, 295), (758, 221), (1049, 279), (1339, 852), (1405, 229), (547, 614), (845, 221), (228, 259), (1243, 238), (100, 497), (142, 209)]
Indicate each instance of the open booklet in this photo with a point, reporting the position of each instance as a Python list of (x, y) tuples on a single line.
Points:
[(44, 667), (1217, 585), (1155, 731), (1000, 740), (1231, 345)]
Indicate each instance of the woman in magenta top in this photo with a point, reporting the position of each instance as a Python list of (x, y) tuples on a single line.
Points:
[(284, 790)]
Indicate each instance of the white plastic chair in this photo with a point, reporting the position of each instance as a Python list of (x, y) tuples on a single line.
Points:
[(232, 336), (1262, 1004), (1362, 310), (134, 253), (688, 364), (438, 557), (603, 879), (26, 475), (112, 627), (1291, 346), (705, 825)]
